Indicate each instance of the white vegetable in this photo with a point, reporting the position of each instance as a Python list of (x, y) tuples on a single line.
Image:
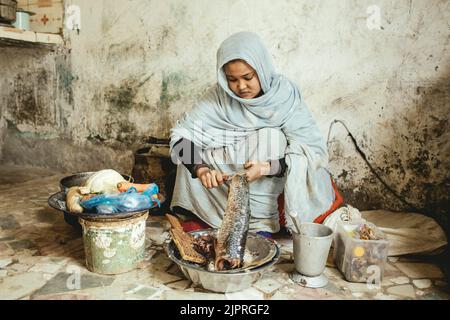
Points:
[(73, 199), (103, 181)]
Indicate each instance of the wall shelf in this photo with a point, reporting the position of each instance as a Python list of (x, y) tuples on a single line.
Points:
[(12, 37)]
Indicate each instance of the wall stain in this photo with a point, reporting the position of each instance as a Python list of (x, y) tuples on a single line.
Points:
[(121, 98), (126, 132), (65, 78), (343, 175), (162, 38), (170, 83), (415, 163), (95, 137), (41, 135), (441, 126), (28, 100), (121, 101), (419, 164)]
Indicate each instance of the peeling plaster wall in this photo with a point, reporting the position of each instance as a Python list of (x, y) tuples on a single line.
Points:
[(136, 66), (38, 114)]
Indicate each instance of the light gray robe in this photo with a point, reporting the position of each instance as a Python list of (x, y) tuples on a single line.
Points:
[(225, 126)]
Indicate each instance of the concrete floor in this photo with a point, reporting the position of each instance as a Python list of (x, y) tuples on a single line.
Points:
[(40, 253)]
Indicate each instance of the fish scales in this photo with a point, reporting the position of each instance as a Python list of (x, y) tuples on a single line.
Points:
[(232, 234)]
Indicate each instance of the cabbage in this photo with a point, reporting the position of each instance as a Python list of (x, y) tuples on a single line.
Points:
[(103, 181)]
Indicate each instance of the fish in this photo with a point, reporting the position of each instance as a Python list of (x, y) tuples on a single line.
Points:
[(231, 237)]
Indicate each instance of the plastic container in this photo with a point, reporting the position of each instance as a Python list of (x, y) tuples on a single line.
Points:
[(359, 260), (23, 19)]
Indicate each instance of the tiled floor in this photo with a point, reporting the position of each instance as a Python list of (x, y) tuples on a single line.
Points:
[(40, 254)]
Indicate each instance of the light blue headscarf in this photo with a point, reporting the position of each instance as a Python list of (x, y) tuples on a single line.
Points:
[(221, 118)]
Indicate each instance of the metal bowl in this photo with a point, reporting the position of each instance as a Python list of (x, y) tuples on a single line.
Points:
[(77, 179), (58, 201), (232, 280)]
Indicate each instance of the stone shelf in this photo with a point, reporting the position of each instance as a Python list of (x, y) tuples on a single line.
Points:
[(12, 37)]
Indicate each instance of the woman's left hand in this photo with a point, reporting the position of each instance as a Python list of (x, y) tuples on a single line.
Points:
[(256, 169)]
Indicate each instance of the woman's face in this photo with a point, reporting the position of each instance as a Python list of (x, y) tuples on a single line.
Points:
[(242, 79)]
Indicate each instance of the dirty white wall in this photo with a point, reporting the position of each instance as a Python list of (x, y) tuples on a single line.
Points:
[(136, 65)]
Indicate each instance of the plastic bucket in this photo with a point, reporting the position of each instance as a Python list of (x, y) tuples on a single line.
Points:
[(116, 245)]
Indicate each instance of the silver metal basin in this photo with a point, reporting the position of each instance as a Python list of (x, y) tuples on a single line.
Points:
[(231, 280)]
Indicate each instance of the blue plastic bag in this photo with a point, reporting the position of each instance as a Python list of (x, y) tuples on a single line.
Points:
[(130, 200)]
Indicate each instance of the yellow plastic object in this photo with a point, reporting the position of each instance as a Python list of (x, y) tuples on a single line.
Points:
[(358, 251)]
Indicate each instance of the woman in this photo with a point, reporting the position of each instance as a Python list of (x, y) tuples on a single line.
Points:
[(253, 120)]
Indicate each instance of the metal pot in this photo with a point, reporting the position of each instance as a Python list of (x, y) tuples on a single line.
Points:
[(153, 164), (311, 248), (8, 11), (65, 183)]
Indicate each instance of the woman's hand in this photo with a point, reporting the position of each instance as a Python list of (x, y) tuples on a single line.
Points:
[(256, 169), (211, 178)]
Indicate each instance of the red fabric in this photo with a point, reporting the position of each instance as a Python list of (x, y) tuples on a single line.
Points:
[(336, 204), (282, 217), (193, 225)]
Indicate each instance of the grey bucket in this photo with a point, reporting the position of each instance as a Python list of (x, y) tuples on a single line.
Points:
[(311, 247)]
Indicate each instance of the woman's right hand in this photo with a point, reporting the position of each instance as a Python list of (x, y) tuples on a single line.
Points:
[(211, 178)]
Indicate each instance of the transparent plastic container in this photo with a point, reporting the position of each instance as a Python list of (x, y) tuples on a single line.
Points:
[(359, 260)]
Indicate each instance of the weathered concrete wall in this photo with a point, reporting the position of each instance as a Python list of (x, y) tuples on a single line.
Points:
[(137, 65), (39, 111)]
